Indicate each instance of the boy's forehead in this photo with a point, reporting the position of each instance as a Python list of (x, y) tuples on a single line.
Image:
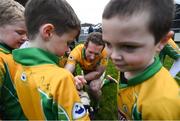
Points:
[(124, 25)]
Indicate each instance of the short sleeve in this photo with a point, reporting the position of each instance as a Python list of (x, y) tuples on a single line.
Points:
[(75, 55), (104, 59)]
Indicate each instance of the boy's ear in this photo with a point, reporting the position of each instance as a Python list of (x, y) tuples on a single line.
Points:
[(46, 31), (164, 40)]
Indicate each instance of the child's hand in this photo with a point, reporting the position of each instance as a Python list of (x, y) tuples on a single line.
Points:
[(79, 81)]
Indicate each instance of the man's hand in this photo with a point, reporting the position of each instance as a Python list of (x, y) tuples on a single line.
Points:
[(80, 81)]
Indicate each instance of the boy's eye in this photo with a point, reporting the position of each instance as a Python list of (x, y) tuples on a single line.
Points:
[(21, 32), (129, 48)]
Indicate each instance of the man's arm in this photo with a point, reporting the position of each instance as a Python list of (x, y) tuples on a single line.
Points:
[(79, 80), (70, 67)]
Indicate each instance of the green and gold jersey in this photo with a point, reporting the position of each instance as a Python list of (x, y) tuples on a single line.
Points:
[(46, 91), (153, 94), (171, 49), (9, 103), (77, 56), (62, 60)]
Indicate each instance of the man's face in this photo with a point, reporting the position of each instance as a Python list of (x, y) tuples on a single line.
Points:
[(92, 51), (132, 45)]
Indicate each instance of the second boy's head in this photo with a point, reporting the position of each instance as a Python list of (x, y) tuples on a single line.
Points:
[(12, 24), (136, 30), (53, 23)]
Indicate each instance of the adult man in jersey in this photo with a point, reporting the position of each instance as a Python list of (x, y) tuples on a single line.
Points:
[(92, 58)]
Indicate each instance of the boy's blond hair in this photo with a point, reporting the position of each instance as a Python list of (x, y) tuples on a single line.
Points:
[(10, 12)]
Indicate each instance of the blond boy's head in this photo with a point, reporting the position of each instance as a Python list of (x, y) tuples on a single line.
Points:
[(10, 12)]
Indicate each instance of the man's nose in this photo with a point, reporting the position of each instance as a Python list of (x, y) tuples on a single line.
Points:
[(92, 56)]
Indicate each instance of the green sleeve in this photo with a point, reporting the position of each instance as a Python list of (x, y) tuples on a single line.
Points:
[(170, 51)]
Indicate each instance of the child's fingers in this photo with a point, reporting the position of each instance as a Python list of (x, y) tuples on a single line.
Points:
[(80, 82)]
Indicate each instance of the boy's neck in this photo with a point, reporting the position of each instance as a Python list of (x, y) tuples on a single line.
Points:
[(37, 43), (130, 74)]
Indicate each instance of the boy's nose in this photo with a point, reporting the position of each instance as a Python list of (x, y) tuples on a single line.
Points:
[(116, 55), (24, 37)]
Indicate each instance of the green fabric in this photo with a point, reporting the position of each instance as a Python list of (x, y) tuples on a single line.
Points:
[(84, 53), (136, 113), (170, 51), (10, 105), (5, 48), (10, 108), (34, 56), (51, 109)]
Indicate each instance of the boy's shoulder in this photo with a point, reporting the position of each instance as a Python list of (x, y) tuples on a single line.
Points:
[(6, 57), (55, 77), (57, 73), (161, 81), (4, 49), (62, 72)]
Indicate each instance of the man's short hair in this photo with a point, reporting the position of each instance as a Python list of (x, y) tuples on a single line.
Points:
[(96, 38)]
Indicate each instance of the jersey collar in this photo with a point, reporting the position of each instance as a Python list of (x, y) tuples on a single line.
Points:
[(148, 73), (5, 48), (84, 52), (34, 56)]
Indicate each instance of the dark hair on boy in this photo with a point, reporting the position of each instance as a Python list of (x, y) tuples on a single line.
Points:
[(22, 2), (96, 38), (161, 13), (57, 12)]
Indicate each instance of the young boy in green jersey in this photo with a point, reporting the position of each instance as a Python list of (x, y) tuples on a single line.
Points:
[(12, 35), (46, 91), (136, 30)]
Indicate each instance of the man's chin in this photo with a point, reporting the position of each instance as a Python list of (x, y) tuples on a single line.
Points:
[(90, 60)]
